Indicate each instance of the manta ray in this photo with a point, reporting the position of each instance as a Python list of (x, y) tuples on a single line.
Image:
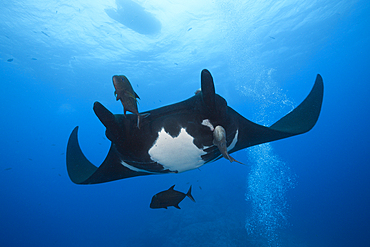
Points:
[(179, 137)]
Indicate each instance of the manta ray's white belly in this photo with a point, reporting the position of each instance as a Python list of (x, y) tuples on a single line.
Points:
[(180, 154), (176, 153)]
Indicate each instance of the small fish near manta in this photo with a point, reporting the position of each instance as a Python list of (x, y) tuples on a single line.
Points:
[(179, 137), (219, 139), (169, 198), (126, 94)]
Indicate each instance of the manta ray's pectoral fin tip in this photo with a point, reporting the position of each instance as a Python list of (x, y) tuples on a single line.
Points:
[(78, 167), (305, 115), (82, 171)]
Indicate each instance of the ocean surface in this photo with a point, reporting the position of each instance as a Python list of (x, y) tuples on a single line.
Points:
[(58, 57)]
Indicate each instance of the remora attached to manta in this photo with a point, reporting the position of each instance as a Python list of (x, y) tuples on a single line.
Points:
[(179, 137)]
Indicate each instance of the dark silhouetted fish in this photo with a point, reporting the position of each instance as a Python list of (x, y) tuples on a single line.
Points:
[(45, 33), (169, 198), (219, 139), (126, 95)]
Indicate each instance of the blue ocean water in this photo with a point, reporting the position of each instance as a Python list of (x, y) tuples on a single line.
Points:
[(58, 57)]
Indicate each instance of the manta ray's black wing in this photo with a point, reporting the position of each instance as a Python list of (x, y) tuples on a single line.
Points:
[(298, 121), (115, 166), (82, 171)]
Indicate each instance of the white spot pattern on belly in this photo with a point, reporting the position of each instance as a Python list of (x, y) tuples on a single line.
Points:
[(176, 153)]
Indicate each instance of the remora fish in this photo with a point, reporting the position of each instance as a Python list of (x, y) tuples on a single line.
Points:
[(219, 139), (126, 95), (169, 198)]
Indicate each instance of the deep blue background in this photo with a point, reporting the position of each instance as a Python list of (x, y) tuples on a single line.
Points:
[(51, 83)]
